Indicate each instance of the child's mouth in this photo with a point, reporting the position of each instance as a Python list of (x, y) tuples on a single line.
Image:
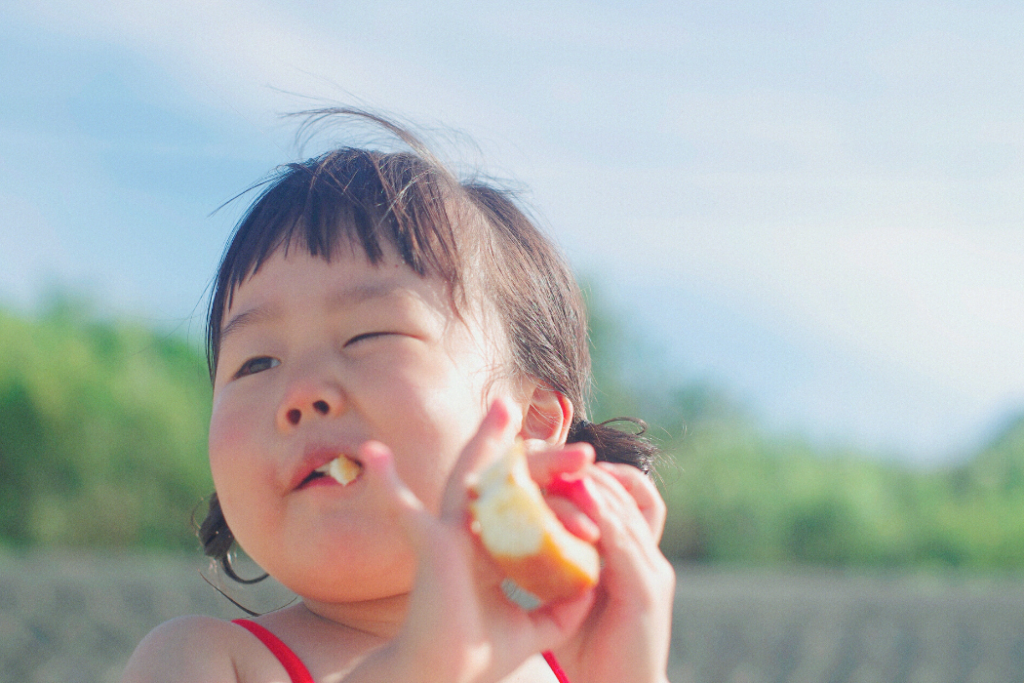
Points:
[(342, 469)]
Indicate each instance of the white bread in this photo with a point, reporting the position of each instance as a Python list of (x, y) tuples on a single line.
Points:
[(524, 536), (344, 470)]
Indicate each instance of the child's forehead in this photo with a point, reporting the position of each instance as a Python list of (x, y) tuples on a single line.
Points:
[(347, 278), (344, 277)]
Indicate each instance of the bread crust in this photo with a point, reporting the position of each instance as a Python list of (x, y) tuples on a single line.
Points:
[(523, 535)]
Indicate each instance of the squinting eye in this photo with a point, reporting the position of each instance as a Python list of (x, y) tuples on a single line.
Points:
[(258, 364), (363, 337)]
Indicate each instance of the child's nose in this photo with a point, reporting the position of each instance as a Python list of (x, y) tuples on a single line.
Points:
[(308, 400)]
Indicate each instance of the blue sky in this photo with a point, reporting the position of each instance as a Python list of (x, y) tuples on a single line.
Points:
[(817, 205)]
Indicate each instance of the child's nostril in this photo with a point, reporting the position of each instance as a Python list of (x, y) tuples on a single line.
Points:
[(294, 415), (321, 407)]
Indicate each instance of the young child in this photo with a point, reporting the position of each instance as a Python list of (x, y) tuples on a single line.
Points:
[(372, 306)]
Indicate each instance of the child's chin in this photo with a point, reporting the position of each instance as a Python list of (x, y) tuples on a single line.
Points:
[(337, 582)]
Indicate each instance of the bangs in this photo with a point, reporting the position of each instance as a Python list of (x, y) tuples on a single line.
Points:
[(346, 199)]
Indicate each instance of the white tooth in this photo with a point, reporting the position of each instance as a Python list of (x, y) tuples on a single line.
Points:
[(343, 470)]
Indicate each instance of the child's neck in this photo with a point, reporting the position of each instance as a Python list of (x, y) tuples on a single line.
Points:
[(381, 618)]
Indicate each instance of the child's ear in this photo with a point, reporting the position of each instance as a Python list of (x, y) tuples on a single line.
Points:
[(548, 416)]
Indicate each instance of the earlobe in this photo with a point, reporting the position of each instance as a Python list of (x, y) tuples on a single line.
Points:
[(548, 416)]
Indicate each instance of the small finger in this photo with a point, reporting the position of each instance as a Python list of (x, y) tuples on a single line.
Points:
[(621, 522), (642, 490), (559, 618), (547, 464), (575, 521)]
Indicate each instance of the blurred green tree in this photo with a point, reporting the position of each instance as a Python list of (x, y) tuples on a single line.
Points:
[(102, 431)]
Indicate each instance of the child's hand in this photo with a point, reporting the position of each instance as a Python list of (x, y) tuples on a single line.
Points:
[(626, 635), (460, 625)]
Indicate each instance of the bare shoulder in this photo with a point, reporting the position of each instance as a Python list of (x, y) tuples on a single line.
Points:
[(194, 649), (533, 670)]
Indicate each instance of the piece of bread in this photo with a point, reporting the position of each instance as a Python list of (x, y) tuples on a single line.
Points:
[(524, 536), (344, 470)]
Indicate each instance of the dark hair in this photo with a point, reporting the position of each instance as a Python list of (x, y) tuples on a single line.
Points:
[(438, 225)]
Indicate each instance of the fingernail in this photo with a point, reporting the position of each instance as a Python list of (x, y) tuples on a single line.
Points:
[(563, 486), (575, 489)]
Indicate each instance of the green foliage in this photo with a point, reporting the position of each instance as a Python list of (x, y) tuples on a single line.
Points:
[(739, 495), (102, 432)]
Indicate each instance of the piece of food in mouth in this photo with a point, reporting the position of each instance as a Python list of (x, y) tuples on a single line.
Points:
[(342, 469), (523, 535)]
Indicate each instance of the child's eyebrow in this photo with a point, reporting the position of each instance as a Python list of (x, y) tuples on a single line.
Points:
[(342, 298), (358, 294), (249, 317)]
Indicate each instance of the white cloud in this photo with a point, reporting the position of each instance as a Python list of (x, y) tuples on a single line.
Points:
[(836, 193), (258, 60), (944, 303), (896, 276)]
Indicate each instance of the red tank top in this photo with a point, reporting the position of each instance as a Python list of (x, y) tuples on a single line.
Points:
[(298, 672)]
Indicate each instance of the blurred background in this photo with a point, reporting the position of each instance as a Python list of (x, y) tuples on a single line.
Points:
[(799, 229)]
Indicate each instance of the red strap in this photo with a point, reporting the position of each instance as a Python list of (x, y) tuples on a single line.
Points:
[(549, 657), (297, 671)]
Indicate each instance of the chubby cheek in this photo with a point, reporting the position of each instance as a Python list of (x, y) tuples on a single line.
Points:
[(219, 446), (226, 435), (421, 456), (234, 462), (432, 435)]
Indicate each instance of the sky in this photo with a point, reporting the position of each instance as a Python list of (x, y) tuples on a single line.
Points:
[(816, 206)]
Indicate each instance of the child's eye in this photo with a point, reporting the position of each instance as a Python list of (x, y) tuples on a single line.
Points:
[(258, 364), (367, 335)]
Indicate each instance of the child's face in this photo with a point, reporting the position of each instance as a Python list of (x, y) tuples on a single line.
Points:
[(315, 359)]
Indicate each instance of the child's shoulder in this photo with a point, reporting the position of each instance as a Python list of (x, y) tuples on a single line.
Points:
[(196, 649)]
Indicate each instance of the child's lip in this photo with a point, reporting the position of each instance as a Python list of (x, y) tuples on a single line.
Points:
[(314, 458)]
